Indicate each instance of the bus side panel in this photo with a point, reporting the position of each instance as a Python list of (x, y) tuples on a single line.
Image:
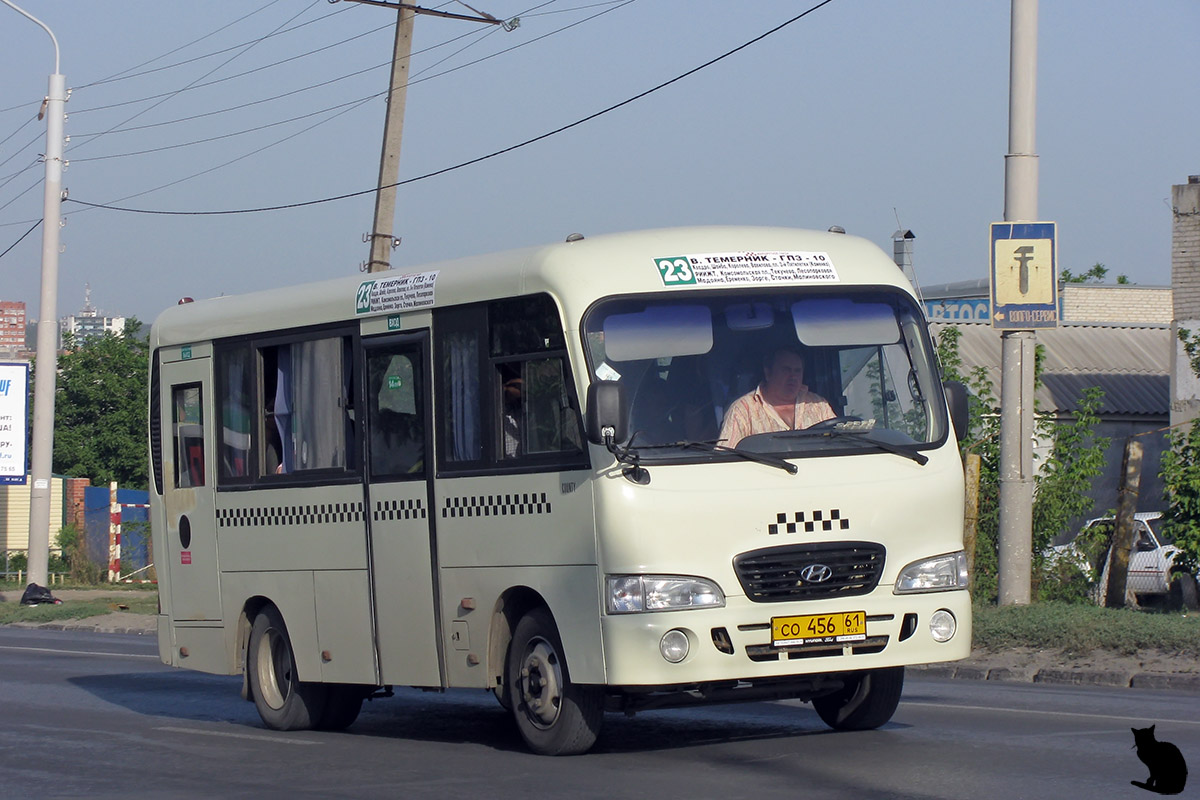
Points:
[(533, 519), (347, 650), (301, 528), (294, 594), (201, 647), (501, 531), (571, 594)]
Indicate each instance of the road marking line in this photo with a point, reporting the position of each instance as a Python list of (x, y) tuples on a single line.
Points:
[(229, 735), (1051, 713), (75, 652)]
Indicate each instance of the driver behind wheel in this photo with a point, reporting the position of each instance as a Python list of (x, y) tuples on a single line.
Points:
[(781, 402)]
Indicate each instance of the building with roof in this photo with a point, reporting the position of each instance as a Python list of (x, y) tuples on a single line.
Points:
[(1129, 362)]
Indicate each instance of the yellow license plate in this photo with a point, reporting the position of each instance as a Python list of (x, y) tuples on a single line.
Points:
[(846, 627)]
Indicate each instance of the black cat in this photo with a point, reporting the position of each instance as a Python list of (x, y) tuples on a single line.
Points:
[(1168, 771)]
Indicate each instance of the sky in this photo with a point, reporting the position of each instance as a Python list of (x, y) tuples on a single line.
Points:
[(874, 115)]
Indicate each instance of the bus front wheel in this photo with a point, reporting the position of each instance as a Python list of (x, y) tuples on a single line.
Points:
[(555, 717), (866, 701), (283, 702)]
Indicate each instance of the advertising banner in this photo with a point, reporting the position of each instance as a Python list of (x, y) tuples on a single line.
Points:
[(14, 415)]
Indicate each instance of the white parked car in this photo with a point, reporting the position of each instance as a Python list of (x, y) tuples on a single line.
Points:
[(1149, 560)]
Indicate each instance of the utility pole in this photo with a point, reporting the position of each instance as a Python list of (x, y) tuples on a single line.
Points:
[(47, 333), (381, 237), (1018, 347)]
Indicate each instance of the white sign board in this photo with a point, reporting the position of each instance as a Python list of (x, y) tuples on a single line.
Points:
[(715, 269), (401, 293), (14, 413)]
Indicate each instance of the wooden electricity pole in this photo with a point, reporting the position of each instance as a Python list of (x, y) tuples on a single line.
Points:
[(381, 237)]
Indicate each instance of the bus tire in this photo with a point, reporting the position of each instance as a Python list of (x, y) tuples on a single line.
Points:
[(554, 716), (283, 701), (866, 701), (343, 703)]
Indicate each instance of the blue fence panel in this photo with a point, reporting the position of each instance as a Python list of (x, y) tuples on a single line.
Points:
[(135, 527)]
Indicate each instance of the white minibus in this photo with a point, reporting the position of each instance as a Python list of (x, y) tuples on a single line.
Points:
[(564, 475)]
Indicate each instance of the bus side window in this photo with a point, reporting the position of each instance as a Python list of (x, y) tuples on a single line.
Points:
[(397, 416), (457, 354), (187, 427), (304, 406), (533, 414), (235, 393)]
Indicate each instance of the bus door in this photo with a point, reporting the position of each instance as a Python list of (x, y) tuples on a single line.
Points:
[(191, 540), (399, 468)]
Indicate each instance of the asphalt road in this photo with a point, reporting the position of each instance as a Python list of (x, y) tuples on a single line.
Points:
[(97, 716)]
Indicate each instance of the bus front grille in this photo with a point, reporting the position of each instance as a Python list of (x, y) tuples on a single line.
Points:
[(810, 571)]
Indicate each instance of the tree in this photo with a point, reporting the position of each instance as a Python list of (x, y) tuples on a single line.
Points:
[(1060, 486), (1094, 275), (1181, 477), (101, 418)]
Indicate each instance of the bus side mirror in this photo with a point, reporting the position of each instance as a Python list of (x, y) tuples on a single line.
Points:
[(956, 400), (607, 413)]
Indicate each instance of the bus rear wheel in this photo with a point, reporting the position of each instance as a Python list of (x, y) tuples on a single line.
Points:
[(554, 716), (866, 701), (283, 701)]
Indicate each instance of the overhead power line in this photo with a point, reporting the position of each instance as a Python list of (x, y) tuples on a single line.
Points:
[(240, 53), (18, 241), (120, 76), (444, 170)]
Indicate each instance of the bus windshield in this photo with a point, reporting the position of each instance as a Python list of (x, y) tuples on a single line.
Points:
[(785, 372)]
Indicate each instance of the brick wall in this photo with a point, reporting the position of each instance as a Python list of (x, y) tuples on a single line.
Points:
[(1116, 303), (74, 510), (1185, 278), (1185, 250)]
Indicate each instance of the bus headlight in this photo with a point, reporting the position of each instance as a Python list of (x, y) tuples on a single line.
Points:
[(937, 574), (630, 594)]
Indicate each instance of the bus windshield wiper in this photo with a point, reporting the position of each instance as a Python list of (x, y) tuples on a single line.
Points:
[(858, 433), (714, 446)]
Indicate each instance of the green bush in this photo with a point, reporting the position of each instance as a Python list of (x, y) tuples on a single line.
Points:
[(1078, 629), (77, 566)]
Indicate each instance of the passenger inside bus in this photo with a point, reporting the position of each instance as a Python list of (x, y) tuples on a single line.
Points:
[(781, 402), (512, 389)]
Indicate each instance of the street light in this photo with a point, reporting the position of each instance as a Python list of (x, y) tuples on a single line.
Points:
[(47, 332)]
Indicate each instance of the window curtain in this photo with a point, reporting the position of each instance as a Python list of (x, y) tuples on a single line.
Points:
[(463, 380)]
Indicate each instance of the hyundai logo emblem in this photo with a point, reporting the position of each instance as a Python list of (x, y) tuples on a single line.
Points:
[(816, 573)]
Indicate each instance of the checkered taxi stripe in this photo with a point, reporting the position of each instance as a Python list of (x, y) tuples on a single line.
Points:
[(809, 521), (399, 509), (275, 516), (496, 505)]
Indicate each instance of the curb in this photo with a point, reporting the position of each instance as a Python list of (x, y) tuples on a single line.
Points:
[(78, 625), (1175, 682)]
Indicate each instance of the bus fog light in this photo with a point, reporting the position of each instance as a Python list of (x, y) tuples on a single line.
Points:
[(942, 625), (674, 646)]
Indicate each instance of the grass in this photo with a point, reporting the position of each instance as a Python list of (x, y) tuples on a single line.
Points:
[(14, 586), (76, 609), (1081, 629)]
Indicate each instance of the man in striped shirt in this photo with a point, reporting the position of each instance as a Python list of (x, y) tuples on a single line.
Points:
[(780, 403)]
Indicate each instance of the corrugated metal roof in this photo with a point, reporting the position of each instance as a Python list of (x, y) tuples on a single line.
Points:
[(1130, 363)]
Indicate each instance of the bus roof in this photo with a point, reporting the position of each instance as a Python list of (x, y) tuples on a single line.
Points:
[(575, 272)]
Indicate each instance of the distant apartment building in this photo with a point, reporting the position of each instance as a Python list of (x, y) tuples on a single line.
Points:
[(12, 328), (90, 322)]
